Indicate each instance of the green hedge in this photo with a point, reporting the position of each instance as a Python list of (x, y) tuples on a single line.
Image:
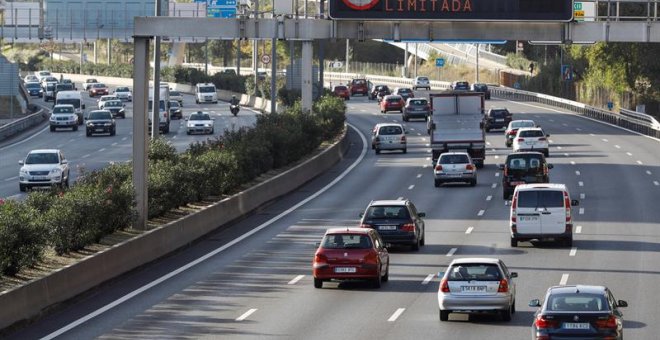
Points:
[(102, 201)]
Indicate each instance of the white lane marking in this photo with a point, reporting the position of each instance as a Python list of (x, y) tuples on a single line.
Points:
[(617, 146), (578, 229), (582, 196), (592, 135), (639, 162), (428, 158), (581, 211), (419, 175), (11, 178), (363, 110), (487, 143), (558, 148), (412, 129), (551, 120), (425, 166), (567, 154), (573, 251), (489, 197), (648, 172), (59, 145), (125, 138), (229, 244), (605, 140), (578, 129), (428, 151), (497, 174), (396, 315), (428, 279), (496, 156), (656, 183), (580, 183), (101, 149), (85, 156), (564, 279), (419, 134), (564, 124), (411, 187), (246, 314), (400, 198), (572, 162), (577, 172), (493, 150), (494, 185), (114, 144), (629, 154), (481, 212), (452, 251), (469, 230), (296, 279), (551, 141)]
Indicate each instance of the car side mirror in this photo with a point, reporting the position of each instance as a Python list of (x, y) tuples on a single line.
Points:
[(500, 166), (421, 214), (361, 215), (535, 303), (21, 162), (550, 166), (64, 161), (388, 245), (575, 203), (514, 274), (621, 303), (83, 106), (432, 126)]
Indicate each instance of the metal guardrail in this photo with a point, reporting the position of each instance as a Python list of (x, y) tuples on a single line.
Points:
[(22, 124)]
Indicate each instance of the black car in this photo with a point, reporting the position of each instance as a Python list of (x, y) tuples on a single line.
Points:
[(483, 88), (460, 86), (397, 222), (100, 121), (34, 89), (175, 110), (497, 118), (416, 108), (116, 107), (378, 89), (523, 168), (578, 312)]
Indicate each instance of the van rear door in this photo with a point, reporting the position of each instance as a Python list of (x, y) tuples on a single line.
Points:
[(553, 212), (527, 213)]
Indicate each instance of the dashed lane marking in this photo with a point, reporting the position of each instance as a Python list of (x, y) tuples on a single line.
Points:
[(494, 185), (582, 196), (469, 230), (481, 212), (452, 251), (497, 174), (85, 156), (246, 314), (573, 251), (564, 279), (11, 178), (605, 140), (629, 154), (489, 197), (399, 198), (428, 279), (580, 183), (558, 148), (396, 315), (578, 129), (125, 138), (592, 135), (567, 154), (656, 183), (114, 144), (572, 162), (617, 146), (578, 229), (639, 162), (411, 187), (581, 211), (296, 279), (648, 172), (419, 134), (577, 172), (101, 149), (419, 175), (496, 156)]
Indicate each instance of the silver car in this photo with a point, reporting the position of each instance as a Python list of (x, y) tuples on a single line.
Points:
[(388, 136), (454, 167), (43, 167), (477, 285)]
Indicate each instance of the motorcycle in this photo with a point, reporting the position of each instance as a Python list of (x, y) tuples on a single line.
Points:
[(234, 108)]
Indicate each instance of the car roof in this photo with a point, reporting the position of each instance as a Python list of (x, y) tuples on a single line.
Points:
[(45, 151), (99, 111), (530, 129), (498, 108), (523, 153), (388, 202), (60, 105), (455, 153), (379, 125), (488, 260), (393, 96), (350, 230), (541, 186), (590, 289)]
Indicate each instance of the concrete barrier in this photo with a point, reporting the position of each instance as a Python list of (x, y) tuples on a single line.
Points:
[(29, 300), (22, 124)]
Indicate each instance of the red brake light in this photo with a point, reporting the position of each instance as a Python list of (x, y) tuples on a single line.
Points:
[(320, 259), (438, 167), (542, 138), (504, 286), (408, 227), (469, 167), (371, 257), (403, 139), (608, 323), (506, 170), (542, 323), (514, 204), (513, 132), (521, 139), (444, 286), (567, 205)]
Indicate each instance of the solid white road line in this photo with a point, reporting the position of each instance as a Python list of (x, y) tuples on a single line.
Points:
[(573, 251), (296, 279), (582, 196), (85, 156), (577, 172), (396, 314), (411, 187), (551, 120), (481, 212), (564, 279), (489, 197), (581, 211), (125, 138), (428, 279), (419, 175), (452, 251), (578, 229), (101, 149), (494, 185), (246, 314), (580, 183), (469, 230)]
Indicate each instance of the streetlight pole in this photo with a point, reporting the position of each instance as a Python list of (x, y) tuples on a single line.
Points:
[(155, 117)]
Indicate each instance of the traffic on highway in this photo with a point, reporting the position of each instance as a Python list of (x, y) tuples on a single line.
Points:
[(558, 237)]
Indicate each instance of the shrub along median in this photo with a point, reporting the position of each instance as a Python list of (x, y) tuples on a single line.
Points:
[(101, 202)]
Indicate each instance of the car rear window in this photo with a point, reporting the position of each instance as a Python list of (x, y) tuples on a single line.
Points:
[(474, 271), (359, 82), (521, 124), (174, 93), (577, 302), (390, 130), (532, 133), (405, 90), (418, 102), (524, 162), (340, 87), (423, 79), (387, 212), (346, 241), (394, 99), (541, 199), (498, 113), (454, 159)]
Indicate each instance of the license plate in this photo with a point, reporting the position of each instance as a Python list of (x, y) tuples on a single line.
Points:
[(345, 270), (529, 218), (473, 288), (517, 183), (499, 120), (41, 178), (98, 130), (576, 325), (387, 227)]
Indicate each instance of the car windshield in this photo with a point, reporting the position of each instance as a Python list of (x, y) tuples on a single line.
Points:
[(98, 85), (541, 199), (346, 241), (390, 130), (405, 90), (521, 124), (574, 302), (199, 116), (359, 82), (122, 89), (474, 271), (418, 102), (32, 85), (74, 102), (480, 87), (64, 109), (44, 73), (174, 104), (100, 115), (461, 85), (531, 133), (91, 80), (387, 212), (341, 88), (454, 159), (113, 103), (206, 89), (42, 158), (423, 79)]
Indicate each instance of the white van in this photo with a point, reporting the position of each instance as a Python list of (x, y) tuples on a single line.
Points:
[(73, 98), (541, 211), (206, 93)]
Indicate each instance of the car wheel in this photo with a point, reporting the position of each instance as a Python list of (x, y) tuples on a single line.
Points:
[(506, 194), (423, 240), (401, 111), (405, 150), (487, 129), (187, 132), (113, 132), (546, 153), (405, 119), (473, 182), (75, 128), (513, 307), (415, 246), (52, 128), (386, 277), (568, 242), (65, 183), (514, 242), (437, 183), (378, 151), (377, 282), (506, 314), (444, 315), (88, 133), (318, 283), (22, 187)]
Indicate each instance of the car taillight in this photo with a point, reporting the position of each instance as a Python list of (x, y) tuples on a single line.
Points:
[(377, 139), (469, 167), (514, 204), (506, 170), (521, 139), (408, 227), (364, 225), (371, 257), (438, 167), (542, 323), (608, 322), (320, 259), (567, 205), (513, 132), (444, 286), (403, 139), (542, 139), (545, 170), (165, 114), (504, 286)]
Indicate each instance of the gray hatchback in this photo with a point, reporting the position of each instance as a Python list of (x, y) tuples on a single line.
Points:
[(455, 167)]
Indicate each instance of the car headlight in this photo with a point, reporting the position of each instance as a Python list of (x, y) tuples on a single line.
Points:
[(56, 171), (207, 125), (22, 172), (107, 124), (90, 124)]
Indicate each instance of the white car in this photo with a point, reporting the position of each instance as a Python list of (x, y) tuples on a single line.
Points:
[(199, 122), (44, 167), (531, 139), (31, 78), (455, 167), (106, 98), (388, 136), (512, 129), (178, 96), (477, 285), (42, 74), (124, 93), (421, 83), (63, 116)]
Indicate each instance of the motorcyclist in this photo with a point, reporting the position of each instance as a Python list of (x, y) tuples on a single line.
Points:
[(234, 105), (234, 100)]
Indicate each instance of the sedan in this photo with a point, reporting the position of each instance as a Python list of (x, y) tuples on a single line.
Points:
[(123, 93), (98, 89), (351, 254), (404, 92), (391, 103), (477, 285), (397, 222), (43, 168), (176, 95), (175, 110), (34, 89), (378, 89), (531, 139), (116, 107), (100, 121), (454, 167), (512, 130), (199, 122), (578, 312)]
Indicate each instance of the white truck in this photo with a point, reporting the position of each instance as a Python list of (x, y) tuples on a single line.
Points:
[(457, 123), (164, 99)]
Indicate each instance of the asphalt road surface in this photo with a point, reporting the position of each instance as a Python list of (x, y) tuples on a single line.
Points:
[(253, 280)]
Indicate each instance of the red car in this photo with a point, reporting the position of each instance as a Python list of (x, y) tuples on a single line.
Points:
[(391, 103), (342, 92), (351, 254), (98, 89), (359, 86)]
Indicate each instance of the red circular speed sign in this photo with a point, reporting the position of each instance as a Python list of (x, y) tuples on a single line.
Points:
[(360, 5), (265, 58)]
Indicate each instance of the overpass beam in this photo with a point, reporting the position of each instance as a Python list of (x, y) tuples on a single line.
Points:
[(306, 87), (140, 145)]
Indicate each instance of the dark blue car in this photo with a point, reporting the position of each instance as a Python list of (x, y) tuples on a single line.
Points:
[(34, 89)]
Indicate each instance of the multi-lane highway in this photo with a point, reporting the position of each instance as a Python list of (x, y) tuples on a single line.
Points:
[(252, 280), (94, 152)]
